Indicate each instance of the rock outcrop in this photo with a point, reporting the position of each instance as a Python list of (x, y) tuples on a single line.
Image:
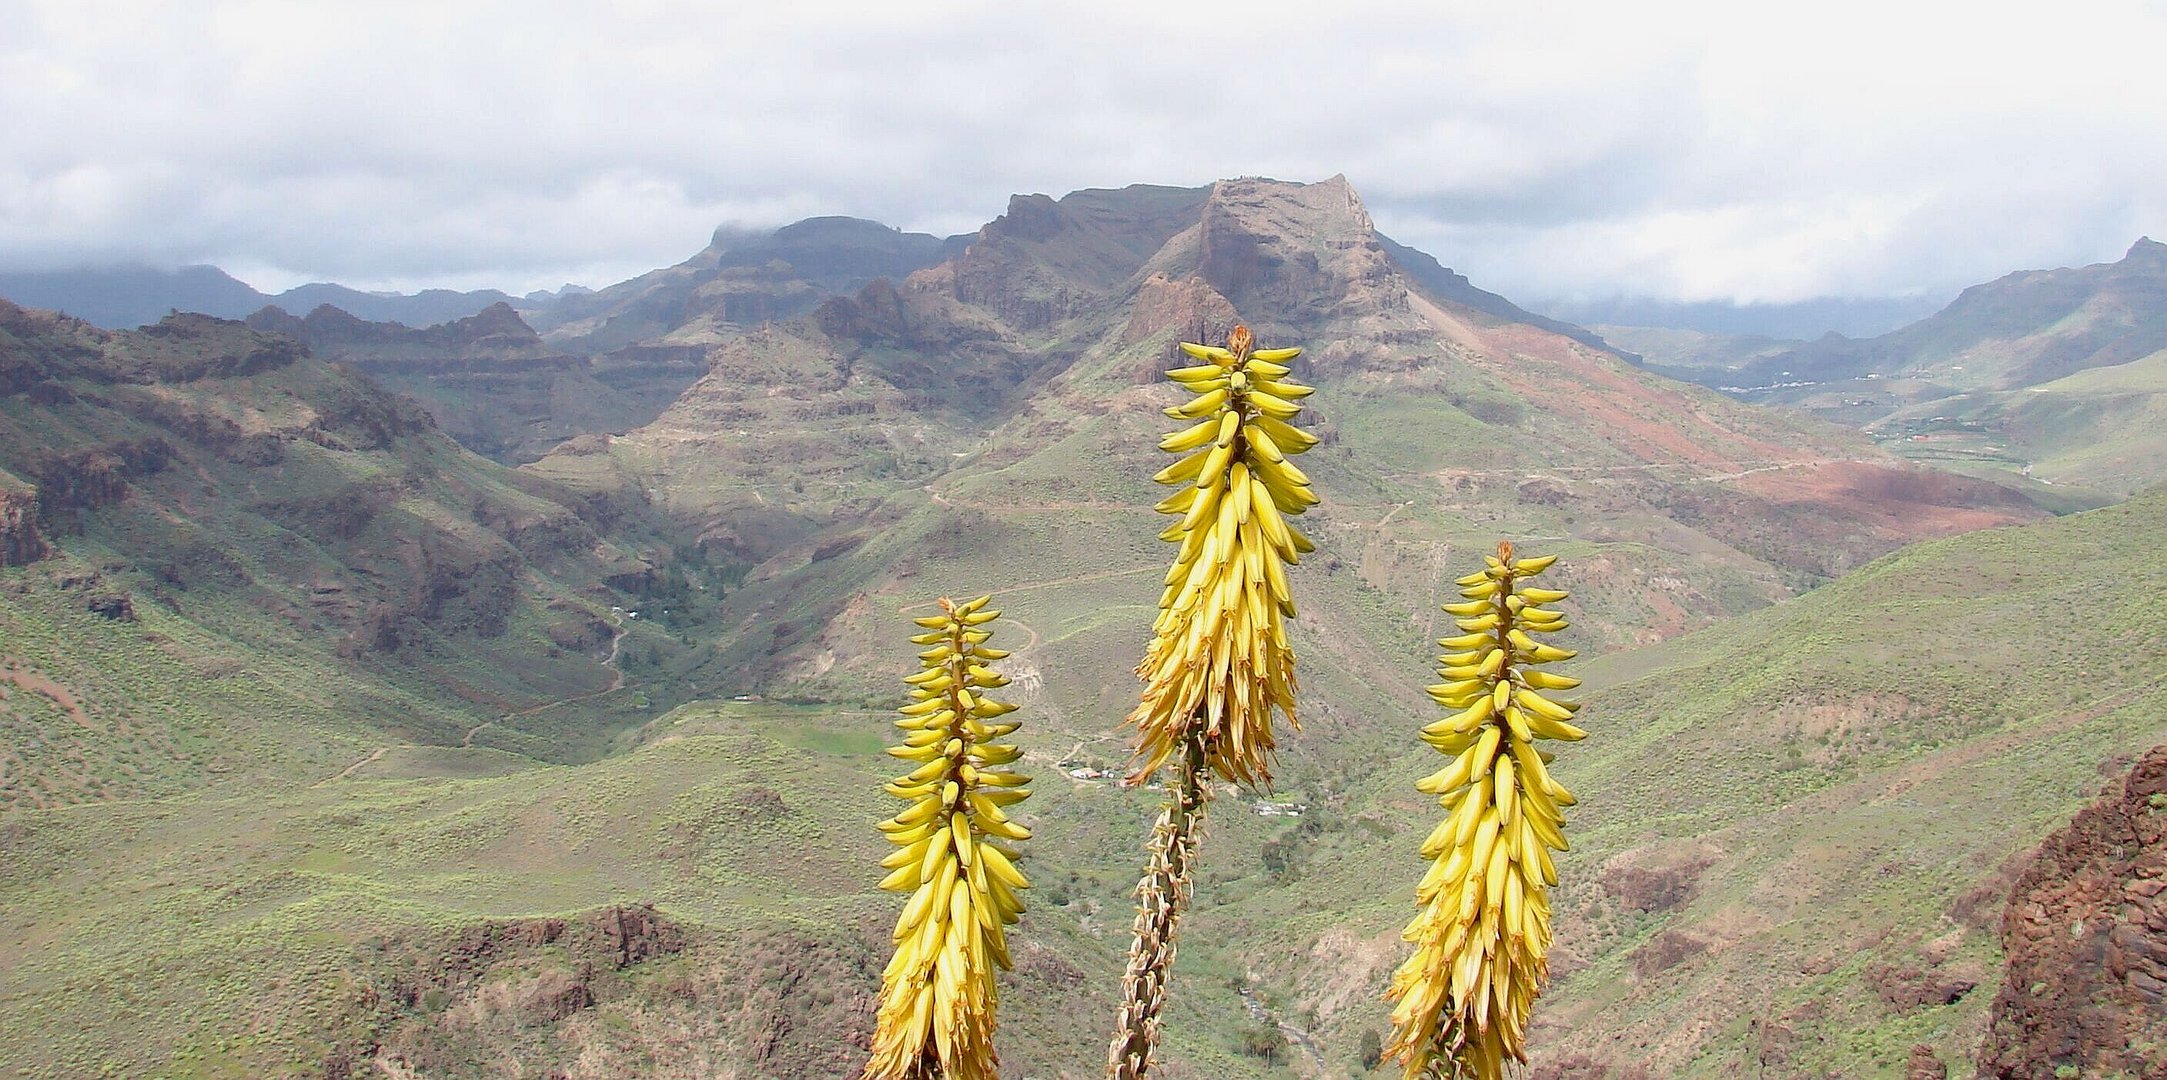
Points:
[(20, 541), (559, 993), (2085, 933)]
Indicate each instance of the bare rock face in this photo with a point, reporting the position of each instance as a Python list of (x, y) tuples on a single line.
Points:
[(1905, 988), (20, 542), (1925, 1065), (89, 479), (1583, 1067), (1657, 880), (2086, 937), (1304, 252), (1184, 307)]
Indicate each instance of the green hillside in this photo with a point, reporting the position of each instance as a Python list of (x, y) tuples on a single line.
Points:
[(1802, 815), (256, 563), (2099, 429), (1837, 786)]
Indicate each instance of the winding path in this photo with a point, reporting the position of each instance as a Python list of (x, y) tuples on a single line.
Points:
[(1073, 579), (1744, 468), (616, 683), (356, 766)]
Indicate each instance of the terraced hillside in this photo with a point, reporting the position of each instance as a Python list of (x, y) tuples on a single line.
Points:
[(490, 382)]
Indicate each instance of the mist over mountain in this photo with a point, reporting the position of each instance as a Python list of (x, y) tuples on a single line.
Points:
[(126, 297), (1802, 320)]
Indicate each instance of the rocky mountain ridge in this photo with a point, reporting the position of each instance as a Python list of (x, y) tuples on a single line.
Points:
[(121, 298), (492, 383), (1048, 330)]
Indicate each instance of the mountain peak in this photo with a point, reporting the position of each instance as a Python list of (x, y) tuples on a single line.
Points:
[(1329, 206), (497, 318), (2147, 250), (1300, 252), (1029, 217)]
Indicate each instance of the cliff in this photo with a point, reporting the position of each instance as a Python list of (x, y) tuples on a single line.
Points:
[(20, 541)]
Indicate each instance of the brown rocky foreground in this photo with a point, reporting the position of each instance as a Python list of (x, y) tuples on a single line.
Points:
[(2086, 937)]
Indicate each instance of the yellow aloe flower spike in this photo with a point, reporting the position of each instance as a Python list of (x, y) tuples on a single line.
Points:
[(937, 997), (1482, 936), (1218, 666)]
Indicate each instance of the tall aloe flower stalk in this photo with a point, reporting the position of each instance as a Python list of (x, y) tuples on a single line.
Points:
[(1218, 665), (1483, 934), (937, 997)]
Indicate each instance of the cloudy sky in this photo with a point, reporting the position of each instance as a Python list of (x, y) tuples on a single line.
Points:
[(1721, 151)]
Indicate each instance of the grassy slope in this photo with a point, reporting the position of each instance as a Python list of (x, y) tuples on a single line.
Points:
[(1948, 706), (1837, 775), (100, 709), (233, 919), (1938, 732)]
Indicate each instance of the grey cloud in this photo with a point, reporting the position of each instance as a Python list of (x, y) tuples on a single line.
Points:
[(1697, 151)]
